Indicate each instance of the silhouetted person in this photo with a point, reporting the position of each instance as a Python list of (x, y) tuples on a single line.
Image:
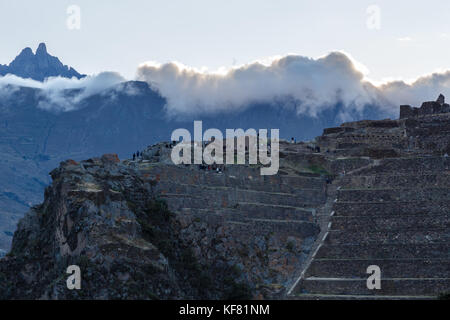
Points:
[(134, 156)]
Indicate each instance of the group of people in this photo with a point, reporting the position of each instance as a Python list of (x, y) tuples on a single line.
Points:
[(315, 149), (214, 167), (137, 155)]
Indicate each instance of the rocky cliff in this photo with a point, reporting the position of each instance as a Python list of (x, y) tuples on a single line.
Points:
[(38, 66), (228, 235)]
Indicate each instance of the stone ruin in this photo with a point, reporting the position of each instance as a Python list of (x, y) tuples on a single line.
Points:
[(427, 108), (419, 131), (387, 205)]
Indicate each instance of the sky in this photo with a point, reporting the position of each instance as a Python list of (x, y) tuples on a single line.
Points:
[(390, 39)]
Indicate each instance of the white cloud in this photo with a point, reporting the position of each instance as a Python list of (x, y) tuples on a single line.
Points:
[(313, 84), (310, 85), (54, 89), (424, 88)]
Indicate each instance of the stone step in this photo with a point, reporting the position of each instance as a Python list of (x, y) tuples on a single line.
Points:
[(395, 181), (178, 202), (231, 199), (382, 251), (304, 195), (388, 236), (349, 164), (404, 268), (388, 195), (242, 177), (409, 166), (245, 185), (389, 287), (391, 208), (257, 211), (386, 222), (284, 229), (264, 211), (295, 228)]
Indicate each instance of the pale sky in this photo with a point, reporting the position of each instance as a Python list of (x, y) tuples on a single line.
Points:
[(413, 36)]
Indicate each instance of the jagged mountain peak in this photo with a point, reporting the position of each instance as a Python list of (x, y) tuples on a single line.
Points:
[(42, 49), (26, 52), (38, 66)]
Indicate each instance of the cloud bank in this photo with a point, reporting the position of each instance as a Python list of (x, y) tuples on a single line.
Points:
[(425, 88), (62, 94), (308, 85), (312, 85)]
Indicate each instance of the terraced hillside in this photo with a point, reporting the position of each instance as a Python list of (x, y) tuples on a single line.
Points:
[(226, 234), (247, 214), (393, 213), (369, 193)]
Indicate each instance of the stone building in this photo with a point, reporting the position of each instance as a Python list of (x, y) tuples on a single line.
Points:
[(427, 108)]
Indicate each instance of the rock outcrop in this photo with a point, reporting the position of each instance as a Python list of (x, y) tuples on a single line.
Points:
[(233, 234), (38, 66)]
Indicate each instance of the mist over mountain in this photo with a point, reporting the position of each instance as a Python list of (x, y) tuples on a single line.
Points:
[(122, 119)]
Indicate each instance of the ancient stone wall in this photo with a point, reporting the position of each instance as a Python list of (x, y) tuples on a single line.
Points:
[(393, 214)]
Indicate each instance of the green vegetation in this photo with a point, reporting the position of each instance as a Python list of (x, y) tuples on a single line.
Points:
[(318, 169)]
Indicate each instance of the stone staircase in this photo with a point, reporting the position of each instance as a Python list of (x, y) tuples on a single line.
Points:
[(323, 219), (378, 219)]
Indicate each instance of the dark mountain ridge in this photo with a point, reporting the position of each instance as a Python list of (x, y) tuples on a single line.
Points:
[(38, 66)]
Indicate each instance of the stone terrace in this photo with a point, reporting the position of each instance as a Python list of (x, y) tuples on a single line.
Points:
[(245, 206), (424, 135), (394, 214)]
